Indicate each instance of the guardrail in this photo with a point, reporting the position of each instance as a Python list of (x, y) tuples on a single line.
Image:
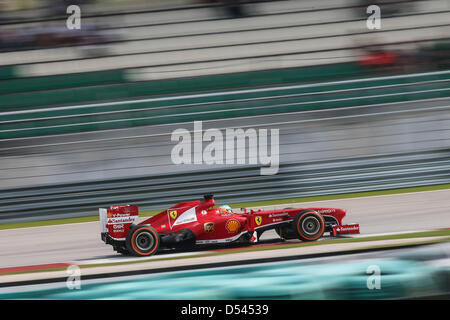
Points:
[(229, 185)]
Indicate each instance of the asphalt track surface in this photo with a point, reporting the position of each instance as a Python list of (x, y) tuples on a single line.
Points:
[(81, 242)]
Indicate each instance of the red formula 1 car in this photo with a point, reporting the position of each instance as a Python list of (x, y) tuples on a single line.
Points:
[(197, 222)]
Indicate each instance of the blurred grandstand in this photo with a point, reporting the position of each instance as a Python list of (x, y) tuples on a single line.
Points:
[(86, 115)]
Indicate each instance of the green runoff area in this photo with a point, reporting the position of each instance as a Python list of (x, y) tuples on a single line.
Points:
[(236, 205)]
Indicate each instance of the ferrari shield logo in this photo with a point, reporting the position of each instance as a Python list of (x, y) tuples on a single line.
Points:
[(173, 214), (258, 220), (209, 227)]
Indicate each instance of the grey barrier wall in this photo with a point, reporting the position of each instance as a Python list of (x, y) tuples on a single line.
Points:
[(338, 176), (321, 152), (390, 128)]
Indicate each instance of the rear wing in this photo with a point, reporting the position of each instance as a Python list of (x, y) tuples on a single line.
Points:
[(102, 212), (116, 221)]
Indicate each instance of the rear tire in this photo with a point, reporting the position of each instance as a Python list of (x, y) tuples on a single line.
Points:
[(309, 225), (142, 241)]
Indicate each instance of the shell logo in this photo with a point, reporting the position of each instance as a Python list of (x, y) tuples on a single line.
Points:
[(232, 225)]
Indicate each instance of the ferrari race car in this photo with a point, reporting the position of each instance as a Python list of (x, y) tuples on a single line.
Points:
[(198, 222)]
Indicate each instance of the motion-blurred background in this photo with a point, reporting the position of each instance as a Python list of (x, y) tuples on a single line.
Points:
[(86, 115)]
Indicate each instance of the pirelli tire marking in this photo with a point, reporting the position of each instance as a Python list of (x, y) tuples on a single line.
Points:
[(142, 241), (310, 225)]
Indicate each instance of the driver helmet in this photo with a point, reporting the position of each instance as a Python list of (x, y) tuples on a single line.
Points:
[(225, 208)]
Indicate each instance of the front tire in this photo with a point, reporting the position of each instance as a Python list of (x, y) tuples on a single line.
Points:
[(309, 225), (142, 241)]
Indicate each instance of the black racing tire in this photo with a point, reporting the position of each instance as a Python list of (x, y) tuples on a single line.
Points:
[(142, 240), (309, 225)]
